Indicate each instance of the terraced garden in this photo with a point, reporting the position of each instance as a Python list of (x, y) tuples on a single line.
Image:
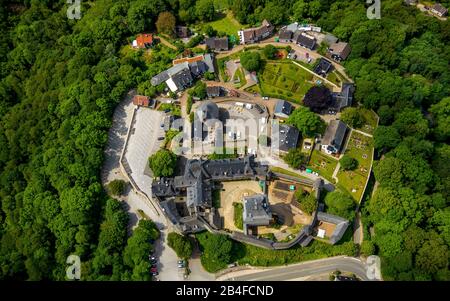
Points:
[(323, 164), (360, 147)]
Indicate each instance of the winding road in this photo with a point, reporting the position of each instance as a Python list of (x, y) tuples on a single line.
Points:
[(301, 270)]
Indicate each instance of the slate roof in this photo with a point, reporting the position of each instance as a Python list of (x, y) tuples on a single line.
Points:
[(283, 108), (209, 61), (285, 35), (341, 225), (323, 67), (199, 195), (182, 79), (344, 98), (304, 40), (335, 134), (207, 110), (287, 137), (165, 75), (256, 210), (340, 49), (217, 43), (255, 34)]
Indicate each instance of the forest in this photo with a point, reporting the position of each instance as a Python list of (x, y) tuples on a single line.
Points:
[(61, 79)]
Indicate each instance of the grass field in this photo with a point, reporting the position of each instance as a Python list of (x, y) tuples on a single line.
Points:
[(323, 164), (228, 24), (371, 121), (360, 147), (285, 80), (287, 172), (240, 74)]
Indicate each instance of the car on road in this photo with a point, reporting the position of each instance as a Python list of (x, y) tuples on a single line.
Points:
[(161, 138), (154, 271), (166, 110), (181, 264)]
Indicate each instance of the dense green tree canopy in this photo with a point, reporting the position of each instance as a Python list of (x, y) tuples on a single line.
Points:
[(251, 60), (166, 23), (163, 163), (308, 123), (295, 158), (340, 204), (348, 163), (182, 245)]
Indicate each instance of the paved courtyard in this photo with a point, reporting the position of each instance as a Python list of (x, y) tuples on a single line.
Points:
[(142, 143)]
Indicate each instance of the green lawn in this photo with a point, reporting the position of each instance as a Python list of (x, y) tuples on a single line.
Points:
[(359, 147), (323, 164), (174, 109), (228, 24), (285, 80), (216, 198), (371, 121), (241, 75), (287, 172), (238, 215)]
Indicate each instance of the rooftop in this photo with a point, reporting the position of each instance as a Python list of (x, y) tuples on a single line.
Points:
[(257, 210), (335, 134), (283, 108)]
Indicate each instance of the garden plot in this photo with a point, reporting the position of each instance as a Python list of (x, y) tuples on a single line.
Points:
[(360, 147)]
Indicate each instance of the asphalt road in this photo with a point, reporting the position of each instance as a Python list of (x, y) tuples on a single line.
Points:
[(316, 267)]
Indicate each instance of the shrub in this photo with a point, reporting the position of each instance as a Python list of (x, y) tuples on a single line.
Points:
[(117, 187), (182, 245), (348, 163)]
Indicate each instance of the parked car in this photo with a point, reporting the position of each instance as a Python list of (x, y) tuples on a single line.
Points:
[(181, 264), (161, 138), (166, 110)]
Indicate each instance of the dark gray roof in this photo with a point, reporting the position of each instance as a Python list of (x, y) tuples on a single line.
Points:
[(170, 210), (217, 43), (207, 110), (341, 225), (165, 75), (198, 68), (183, 79), (344, 98), (304, 40), (335, 134), (287, 137), (340, 49), (283, 108), (164, 187), (323, 67), (199, 195), (257, 210), (285, 34)]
